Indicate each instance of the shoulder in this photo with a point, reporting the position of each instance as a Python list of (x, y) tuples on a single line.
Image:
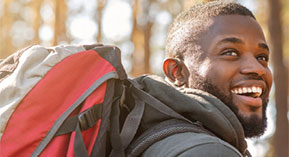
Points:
[(192, 144)]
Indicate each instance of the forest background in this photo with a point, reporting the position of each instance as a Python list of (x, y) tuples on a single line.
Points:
[(138, 28)]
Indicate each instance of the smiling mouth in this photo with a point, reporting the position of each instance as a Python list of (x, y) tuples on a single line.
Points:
[(248, 91), (249, 95)]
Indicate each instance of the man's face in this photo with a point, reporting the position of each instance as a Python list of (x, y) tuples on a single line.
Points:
[(234, 68)]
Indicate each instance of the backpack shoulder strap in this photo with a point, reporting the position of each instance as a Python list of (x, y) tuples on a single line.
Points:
[(161, 131), (52, 132)]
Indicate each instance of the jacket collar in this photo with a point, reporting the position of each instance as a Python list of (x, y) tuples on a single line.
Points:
[(197, 105)]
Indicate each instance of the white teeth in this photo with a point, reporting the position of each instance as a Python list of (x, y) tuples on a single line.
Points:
[(244, 90), (240, 91), (250, 90), (256, 90), (260, 91)]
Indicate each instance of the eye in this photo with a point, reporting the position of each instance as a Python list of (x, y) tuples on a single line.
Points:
[(263, 58), (230, 52)]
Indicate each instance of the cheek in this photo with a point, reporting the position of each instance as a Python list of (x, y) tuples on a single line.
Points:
[(269, 79), (221, 77), (205, 68)]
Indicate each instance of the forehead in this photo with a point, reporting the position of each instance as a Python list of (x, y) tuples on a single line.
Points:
[(239, 26)]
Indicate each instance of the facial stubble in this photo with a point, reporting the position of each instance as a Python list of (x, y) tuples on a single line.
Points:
[(253, 126)]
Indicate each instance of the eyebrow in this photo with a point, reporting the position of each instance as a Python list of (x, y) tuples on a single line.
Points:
[(264, 46), (239, 41), (231, 40)]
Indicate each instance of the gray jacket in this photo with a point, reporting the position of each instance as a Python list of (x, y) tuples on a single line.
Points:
[(197, 106)]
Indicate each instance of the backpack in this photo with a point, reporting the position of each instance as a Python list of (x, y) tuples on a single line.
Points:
[(75, 101)]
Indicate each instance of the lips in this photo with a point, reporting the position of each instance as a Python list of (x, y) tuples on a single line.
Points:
[(250, 101)]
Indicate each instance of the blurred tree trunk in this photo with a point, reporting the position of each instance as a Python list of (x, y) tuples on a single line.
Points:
[(138, 41), (36, 5), (147, 36), (140, 38), (190, 3), (5, 24), (281, 144), (100, 6), (60, 10)]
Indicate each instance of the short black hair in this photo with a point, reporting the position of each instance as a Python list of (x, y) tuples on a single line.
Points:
[(187, 28)]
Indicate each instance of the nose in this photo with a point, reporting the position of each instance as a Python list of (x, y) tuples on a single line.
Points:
[(250, 65)]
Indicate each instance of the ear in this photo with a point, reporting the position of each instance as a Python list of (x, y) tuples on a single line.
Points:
[(176, 71)]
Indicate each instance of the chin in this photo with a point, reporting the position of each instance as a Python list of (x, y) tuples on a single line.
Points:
[(254, 124)]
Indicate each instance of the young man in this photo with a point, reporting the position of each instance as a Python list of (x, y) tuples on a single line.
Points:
[(218, 48)]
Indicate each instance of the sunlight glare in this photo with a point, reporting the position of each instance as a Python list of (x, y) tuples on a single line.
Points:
[(83, 27), (117, 20), (46, 33)]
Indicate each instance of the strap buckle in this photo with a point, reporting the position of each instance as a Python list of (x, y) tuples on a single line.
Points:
[(89, 117)]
